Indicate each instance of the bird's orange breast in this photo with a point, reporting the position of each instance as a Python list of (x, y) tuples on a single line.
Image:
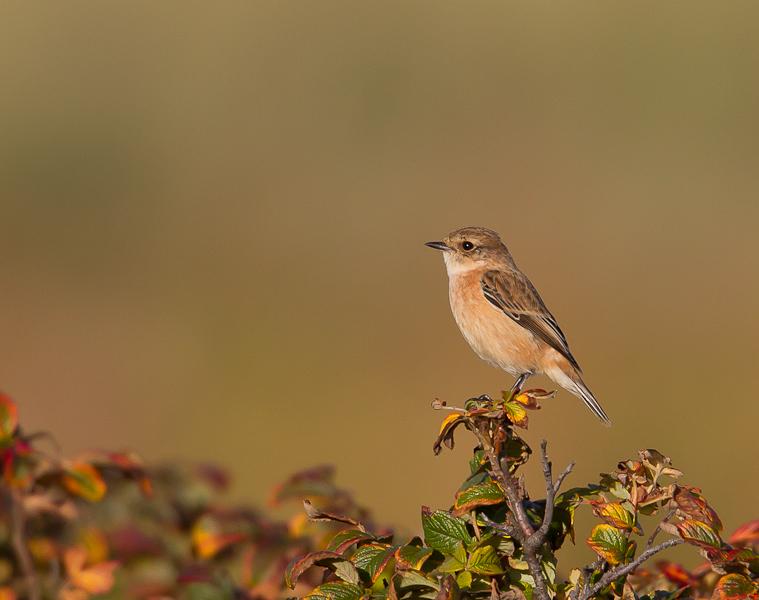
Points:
[(495, 337)]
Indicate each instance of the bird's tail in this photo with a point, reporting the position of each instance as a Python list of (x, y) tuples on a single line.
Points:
[(571, 381)]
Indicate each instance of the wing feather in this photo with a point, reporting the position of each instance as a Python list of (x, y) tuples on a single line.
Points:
[(514, 294)]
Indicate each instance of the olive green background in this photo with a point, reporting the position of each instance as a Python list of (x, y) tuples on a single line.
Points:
[(212, 218)]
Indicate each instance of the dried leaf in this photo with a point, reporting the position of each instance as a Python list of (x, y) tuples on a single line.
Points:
[(447, 428)]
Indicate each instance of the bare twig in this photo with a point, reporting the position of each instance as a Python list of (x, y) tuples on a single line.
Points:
[(562, 477), (21, 550), (539, 536), (628, 568), (656, 531), (502, 527)]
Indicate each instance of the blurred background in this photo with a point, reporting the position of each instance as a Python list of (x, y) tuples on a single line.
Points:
[(213, 215)]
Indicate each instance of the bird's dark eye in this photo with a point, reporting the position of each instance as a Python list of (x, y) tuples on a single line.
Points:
[(467, 245)]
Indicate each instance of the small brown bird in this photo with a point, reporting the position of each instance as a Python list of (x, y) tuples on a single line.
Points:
[(503, 317)]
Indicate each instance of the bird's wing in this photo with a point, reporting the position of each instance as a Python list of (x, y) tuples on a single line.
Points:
[(514, 294)]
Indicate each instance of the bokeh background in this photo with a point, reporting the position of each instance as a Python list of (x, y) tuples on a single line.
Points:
[(212, 217)]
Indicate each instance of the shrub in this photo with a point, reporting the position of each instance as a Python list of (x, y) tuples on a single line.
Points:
[(105, 525)]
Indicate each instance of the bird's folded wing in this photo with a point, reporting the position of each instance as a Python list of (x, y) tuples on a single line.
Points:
[(514, 294)]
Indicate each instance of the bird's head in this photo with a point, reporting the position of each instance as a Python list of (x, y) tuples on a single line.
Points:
[(472, 248)]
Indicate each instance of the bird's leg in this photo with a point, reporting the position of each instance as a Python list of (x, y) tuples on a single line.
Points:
[(517, 387)]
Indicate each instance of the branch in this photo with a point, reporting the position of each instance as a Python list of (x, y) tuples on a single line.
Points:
[(562, 477), (524, 532), (539, 536), (656, 531), (628, 568), (510, 487), (18, 526)]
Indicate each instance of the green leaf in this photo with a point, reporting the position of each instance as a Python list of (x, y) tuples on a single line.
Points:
[(346, 538), (485, 561), (616, 515), (516, 412), (372, 559), (464, 579), (412, 557), (337, 590), (609, 543), (405, 580), (486, 493), (734, 587), (452, 565), (699, 534), (477, 461), (445, 533)]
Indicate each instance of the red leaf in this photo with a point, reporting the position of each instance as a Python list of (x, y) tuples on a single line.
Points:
[(8, 420), (746, 535)]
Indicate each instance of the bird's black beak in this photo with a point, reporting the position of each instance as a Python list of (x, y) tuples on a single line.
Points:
[(438, 245)]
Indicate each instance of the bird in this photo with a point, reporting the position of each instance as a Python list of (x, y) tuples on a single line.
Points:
[(502, 316)]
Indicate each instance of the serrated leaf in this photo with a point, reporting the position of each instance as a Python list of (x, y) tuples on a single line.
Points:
[(485, 561), (84, 480), (445, 533), (412, 557), (609, 543), (346, 538), (735, 587), (337, 590), (699, 534), (8, 420), (616, 515), (486, 493), (372, 559)]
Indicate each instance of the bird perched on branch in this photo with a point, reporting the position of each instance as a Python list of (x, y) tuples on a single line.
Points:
[(503, 317)]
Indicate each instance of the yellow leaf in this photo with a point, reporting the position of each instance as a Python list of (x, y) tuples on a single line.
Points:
[(516, 413), (449, 420), (95, 579), (208, 540), (84, 480), (7, 593)]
